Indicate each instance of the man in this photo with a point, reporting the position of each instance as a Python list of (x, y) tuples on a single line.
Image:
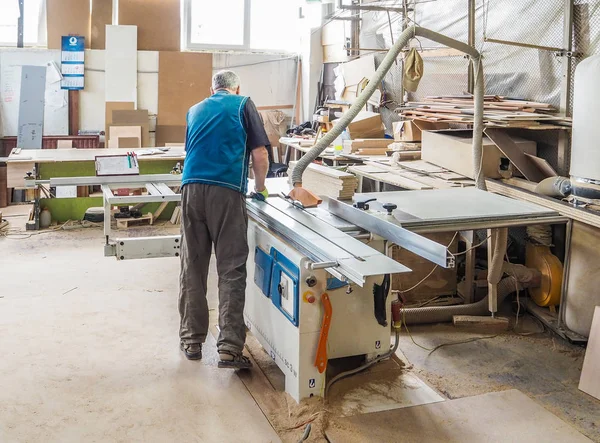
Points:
[(223, 133)]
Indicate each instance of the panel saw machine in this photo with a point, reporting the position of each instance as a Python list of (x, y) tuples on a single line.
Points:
[(317, 289)]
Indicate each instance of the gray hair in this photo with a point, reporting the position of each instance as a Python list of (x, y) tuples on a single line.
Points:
[(225, 80)]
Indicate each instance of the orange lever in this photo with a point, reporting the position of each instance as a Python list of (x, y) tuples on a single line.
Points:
[(321, 360)]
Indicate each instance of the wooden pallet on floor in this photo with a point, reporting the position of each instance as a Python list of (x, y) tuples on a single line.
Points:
[(145, 220)]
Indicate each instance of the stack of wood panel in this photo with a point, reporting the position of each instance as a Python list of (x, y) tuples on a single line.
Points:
[(330, 182), (405, 150), (367, 146), (498, 112)]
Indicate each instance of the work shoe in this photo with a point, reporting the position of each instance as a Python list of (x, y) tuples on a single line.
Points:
[(230, 360), (192, 351)]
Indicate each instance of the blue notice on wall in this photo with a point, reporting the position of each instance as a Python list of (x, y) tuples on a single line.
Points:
[(72, 67)]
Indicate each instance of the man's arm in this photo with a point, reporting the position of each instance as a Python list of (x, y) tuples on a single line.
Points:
[(260, 166), (257, 141)]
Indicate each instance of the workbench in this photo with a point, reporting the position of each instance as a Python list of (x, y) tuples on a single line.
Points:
[(44, 164)]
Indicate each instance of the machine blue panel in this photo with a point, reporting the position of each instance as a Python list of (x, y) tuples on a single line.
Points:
[(263, 269), (284, 272)]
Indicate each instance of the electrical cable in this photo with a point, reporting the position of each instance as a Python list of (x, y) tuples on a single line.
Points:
[(17, 234), (343, 375), (451, 343), (433, 270), (470, 249)]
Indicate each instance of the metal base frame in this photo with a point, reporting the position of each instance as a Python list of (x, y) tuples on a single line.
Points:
[(550, 320)]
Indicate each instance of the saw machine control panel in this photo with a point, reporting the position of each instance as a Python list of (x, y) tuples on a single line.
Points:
[(278, 277)]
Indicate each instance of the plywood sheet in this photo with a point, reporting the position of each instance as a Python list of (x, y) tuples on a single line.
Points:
[(115, 106), (590, 374), (494, 417), (15, 173), (170, 134), (116, 132), (128, 143), (67, 17), (134, 118), (101, 16), (515, 154), (121, 64), (184, 79), (158, 22)]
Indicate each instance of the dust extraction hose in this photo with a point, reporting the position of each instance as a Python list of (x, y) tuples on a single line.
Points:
[(520, 278), (374, 82)]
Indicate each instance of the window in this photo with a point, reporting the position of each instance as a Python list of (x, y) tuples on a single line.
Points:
[(33, 22), (245, 25)]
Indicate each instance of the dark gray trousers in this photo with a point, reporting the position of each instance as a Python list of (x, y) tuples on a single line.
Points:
[(213, 215)]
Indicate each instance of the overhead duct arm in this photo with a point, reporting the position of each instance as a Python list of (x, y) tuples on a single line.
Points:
[(384, 67)]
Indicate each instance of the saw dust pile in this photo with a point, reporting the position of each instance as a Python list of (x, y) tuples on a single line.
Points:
[(288, 418)]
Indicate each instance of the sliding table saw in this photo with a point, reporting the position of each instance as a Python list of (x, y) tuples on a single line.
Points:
[(319, 278)]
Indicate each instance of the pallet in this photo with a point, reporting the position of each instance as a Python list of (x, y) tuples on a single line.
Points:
[(145, 220)]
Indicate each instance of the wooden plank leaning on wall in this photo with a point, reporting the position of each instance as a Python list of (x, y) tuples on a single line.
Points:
[(67, 17), (158, 22), (101, 16), (184, 79)]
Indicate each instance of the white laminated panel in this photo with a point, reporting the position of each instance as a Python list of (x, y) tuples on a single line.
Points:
[(121, 64)]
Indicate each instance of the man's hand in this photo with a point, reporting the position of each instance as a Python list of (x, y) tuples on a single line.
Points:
[(264, 193)]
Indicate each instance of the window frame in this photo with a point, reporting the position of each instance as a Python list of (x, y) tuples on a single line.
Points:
[(244, 48), (187, 16), (42, 40)]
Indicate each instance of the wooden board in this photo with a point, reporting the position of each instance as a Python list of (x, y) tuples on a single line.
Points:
[(542, 165), (120, 59), (169, 135), (485, 324), (516, 418), (158, 22), (116, 132), (124, 223), (101, 16), (134, 118), (590, 373), (366, 143), (114, 106), (515, 154), (15, 173), (184, 79), (128, 143), (67, 17)]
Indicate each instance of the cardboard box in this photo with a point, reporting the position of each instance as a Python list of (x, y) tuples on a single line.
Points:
[(366, 125), (410, 130), (453, 150)]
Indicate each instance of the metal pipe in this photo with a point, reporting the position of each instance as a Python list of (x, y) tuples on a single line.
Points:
[(471, 80), (524, 45), (384, 67), (323, 265)]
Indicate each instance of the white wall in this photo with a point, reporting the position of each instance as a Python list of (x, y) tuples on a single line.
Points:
[(268, 82)]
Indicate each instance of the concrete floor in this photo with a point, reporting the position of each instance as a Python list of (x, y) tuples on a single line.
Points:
[(90, 352), (542, 366)]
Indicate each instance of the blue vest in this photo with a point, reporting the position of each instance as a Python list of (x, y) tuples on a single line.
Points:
[(215, 144)]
